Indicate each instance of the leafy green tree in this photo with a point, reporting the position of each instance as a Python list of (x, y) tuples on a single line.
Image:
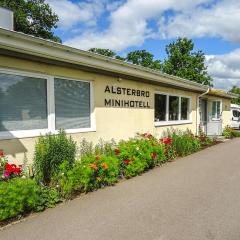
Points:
[(183, 62), (103, 51), (143, 58), (33, 17), (106, 52), (236, 90)]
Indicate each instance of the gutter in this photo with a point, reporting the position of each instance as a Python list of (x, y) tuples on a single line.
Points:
[(198, 110), (20, 43)]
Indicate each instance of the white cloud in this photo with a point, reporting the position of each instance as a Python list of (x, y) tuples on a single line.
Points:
[(225, 69), (70, 14), (220, 20), (129, 24)]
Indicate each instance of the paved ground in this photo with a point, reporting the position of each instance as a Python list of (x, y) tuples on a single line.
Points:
[(194, 198)]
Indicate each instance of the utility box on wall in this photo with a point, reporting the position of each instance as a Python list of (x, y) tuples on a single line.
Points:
[(6, 18)]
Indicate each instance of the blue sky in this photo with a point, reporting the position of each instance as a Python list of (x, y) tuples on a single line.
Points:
[(126, 25)]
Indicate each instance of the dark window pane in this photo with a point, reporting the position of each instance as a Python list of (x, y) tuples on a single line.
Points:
[(23, 103), (173, 108), (72, 104), (160, 107), (235, 113), (184, 108)]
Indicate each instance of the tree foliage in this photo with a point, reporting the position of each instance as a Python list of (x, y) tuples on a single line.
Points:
[(143, 58), (236, 90), (183, 62), (33, 17), (106, 52), (103, 51)]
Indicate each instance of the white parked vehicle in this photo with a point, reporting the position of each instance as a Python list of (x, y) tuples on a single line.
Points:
[(235, 116)]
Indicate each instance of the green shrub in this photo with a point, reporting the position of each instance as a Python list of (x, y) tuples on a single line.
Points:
[(98, 171), (91, 172), (184, 142), (102, 148), (236, 133), (50, 152), (228, 132), (138, 154), (18, 196), (48, 198), (68, 179)]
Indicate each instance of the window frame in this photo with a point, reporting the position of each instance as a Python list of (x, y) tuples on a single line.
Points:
[(214, 118), (174, 122), (50, 107)]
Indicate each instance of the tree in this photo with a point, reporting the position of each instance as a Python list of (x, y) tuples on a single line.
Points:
[(33, 17), (183, 62), (103, 51), (143, 58), (236, 90), (106, 52)]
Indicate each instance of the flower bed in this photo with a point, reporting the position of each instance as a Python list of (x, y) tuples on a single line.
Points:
[(99, 166)]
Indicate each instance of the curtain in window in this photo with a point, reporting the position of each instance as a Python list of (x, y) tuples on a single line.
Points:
[(184, 108), (173, 108), (23, 103), (72, 104), (160, 107)]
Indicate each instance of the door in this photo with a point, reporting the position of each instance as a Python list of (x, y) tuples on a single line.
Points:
[(214, 125)]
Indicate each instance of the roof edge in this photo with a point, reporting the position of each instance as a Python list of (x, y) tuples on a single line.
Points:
[(23, 43)]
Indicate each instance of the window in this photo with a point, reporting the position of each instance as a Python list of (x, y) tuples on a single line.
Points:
[(173, 108), (236, 113), (170, 109), (33, 104), (23, 103), (160, 107), (184, 108), (216, 110), (72, 104)]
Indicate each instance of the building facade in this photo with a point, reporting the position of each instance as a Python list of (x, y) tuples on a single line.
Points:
[(45, 86)]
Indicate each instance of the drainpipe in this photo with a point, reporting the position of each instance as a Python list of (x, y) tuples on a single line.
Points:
[(197, 104)]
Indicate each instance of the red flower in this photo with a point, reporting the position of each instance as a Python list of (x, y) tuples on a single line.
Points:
[(117, 151), (166, 141), (127, 161), (154, 155), (11, 169), (1, 153), (147, 135), (203, 138), (98, 157)]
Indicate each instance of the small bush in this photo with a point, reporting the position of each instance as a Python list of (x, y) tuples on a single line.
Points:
[(68, 179), (184, 142), (228, 132), (98, 171), (50, 152), (138, 154), (236, 133), (102, 148), (18, 196), (48, 198), (90, 173)]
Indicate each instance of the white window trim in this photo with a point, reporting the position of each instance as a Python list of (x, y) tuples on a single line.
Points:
[(168, 122), (214, 118), (50, 108)]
